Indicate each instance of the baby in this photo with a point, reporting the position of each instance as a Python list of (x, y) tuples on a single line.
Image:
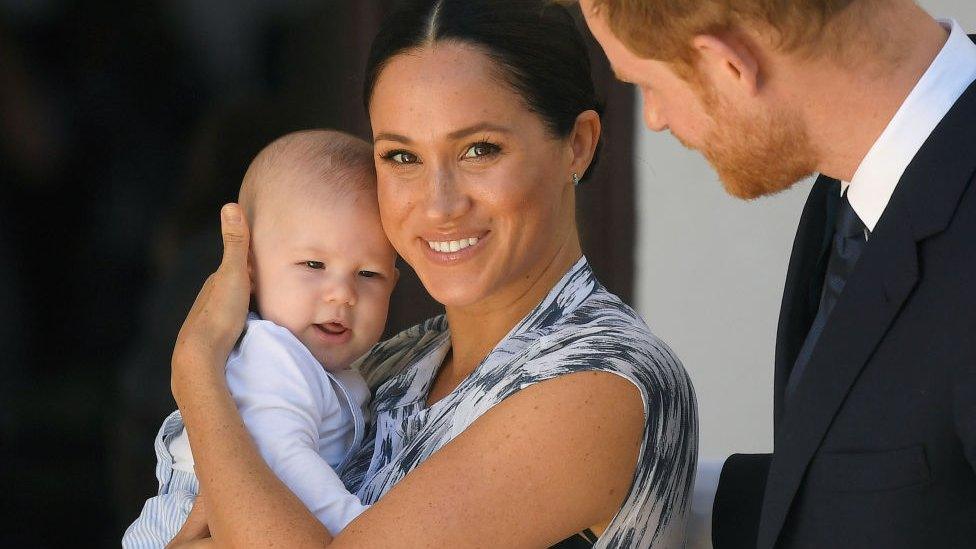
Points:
[(322, 272)]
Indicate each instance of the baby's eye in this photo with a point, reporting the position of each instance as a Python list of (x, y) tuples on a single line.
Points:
[(482, 149), (314, 264), (368, 274), (400, 157)]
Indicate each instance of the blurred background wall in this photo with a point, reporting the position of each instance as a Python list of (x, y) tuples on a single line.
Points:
[(710, 275)]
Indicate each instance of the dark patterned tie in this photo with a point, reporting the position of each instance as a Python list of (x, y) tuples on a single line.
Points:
[(850, 238)]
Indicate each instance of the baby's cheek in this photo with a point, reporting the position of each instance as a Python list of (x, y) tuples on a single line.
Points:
[(375, 319)]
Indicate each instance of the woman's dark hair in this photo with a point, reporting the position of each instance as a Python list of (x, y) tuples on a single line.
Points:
[(536, 44)]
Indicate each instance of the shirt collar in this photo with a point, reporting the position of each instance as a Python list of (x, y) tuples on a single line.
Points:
[(952, 71)]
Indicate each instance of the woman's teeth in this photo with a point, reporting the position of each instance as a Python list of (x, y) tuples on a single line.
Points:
[(451, 245)]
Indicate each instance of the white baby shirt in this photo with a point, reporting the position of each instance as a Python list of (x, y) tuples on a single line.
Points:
[(306, 421)]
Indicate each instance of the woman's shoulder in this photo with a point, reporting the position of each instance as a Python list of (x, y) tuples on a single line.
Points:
[(392, 355), (604, 333)]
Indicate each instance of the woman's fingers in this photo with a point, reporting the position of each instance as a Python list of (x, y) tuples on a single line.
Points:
[(231, 284), (217, 316), (195, 527), (235, 235)]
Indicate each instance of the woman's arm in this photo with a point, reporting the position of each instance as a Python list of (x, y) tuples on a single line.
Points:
[(551, 460), (248, 504)]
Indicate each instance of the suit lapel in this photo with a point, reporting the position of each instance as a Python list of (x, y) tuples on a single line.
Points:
[(922, 206), (801, 295)]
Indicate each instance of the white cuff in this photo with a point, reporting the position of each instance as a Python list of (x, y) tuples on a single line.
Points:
[(702, 501)]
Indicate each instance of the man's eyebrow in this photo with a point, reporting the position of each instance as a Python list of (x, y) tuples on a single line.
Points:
[(456, 134)]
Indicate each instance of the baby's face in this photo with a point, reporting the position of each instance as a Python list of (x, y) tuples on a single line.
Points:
[(324, 269)]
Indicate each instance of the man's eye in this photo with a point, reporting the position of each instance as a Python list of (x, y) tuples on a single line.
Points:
[(480, 150), (314, 264), (368, 274), (400, 157)]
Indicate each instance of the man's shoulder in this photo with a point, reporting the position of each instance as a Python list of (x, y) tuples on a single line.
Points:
[(603, 333)]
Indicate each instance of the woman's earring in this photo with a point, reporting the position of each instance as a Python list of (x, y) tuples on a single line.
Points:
[(576, 179)]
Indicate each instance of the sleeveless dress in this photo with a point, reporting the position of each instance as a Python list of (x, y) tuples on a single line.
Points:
[(579, 326)]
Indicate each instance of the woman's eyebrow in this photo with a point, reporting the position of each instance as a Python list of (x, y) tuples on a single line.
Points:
[(385, 136), (477, 128), (456, 134)]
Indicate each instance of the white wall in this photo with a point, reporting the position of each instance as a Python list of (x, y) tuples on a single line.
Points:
[(710, 273)]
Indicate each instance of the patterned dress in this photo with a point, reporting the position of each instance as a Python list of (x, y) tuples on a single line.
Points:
[(579, 326)]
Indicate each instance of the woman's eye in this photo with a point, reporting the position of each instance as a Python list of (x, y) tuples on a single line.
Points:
[(400, 157), (481, 150), (314, 264), (368, 274)]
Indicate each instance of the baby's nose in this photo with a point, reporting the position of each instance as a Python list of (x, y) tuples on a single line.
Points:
[(340, 290)]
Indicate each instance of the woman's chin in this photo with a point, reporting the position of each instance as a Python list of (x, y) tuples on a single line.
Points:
[(454, 292)]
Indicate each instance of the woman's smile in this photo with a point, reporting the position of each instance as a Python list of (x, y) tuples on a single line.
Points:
[(452, 249)]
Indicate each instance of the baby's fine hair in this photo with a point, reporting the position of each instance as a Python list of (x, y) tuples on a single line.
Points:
[(337, 162)]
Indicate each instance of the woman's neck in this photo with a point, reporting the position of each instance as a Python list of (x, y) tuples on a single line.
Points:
[(475, 330)]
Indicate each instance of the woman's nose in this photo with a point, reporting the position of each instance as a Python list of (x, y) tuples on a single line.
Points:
[(445, 200), (340, 290)]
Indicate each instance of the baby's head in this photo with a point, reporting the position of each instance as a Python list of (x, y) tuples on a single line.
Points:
[(320, 263)]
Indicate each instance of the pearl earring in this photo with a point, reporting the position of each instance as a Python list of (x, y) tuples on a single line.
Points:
[(576, 179)]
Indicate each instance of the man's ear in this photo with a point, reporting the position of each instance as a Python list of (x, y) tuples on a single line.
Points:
[(730, 63), (584, 141)]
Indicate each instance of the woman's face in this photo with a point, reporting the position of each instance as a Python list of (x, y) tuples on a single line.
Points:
[(475, 193)]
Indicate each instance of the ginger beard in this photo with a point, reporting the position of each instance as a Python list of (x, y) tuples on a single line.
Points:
[(755, 155)]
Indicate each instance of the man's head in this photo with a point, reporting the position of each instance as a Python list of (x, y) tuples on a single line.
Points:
[(718, 74), (321, 265)]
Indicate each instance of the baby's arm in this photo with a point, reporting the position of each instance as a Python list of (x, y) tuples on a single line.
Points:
[(163, 515), (282, 394)]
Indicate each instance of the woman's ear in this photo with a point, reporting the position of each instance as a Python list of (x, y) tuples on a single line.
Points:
[(584, 140)]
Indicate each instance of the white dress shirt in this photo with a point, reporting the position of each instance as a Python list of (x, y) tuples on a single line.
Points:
[(874, 181), (952, 71)]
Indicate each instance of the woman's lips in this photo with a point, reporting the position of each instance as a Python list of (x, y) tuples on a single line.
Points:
[(454, 249), (333, 333)]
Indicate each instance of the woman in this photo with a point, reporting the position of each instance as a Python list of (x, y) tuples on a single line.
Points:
[(539, 409)]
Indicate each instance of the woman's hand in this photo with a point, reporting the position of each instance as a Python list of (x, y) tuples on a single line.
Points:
[(218, 314), (248, 504), (195, 531)]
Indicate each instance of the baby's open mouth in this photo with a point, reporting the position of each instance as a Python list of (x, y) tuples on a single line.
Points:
[(332, 328)]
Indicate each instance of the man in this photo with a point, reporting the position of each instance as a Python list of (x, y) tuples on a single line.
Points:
[(875, 385)]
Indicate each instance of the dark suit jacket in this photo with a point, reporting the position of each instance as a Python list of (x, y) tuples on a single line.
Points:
[(877, 446)]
